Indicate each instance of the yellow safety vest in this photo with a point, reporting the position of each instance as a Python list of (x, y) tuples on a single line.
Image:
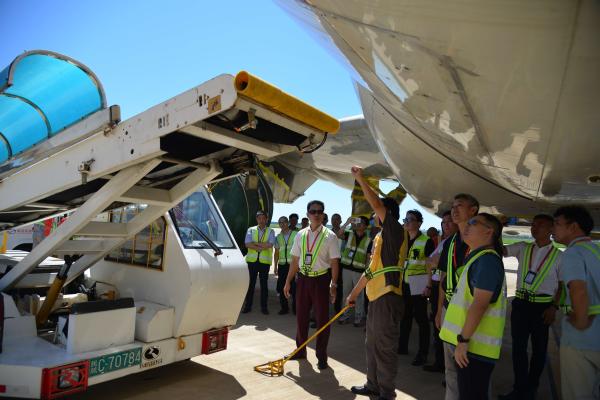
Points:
[(355, 255), (285, 248), (375, 273), (487, 339), (306, 269), (593, 309), (263, 256), (416, 265), (527, 290)]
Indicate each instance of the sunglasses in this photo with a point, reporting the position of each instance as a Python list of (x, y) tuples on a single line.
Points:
[(407, 220), (475, 221), (315, 212)]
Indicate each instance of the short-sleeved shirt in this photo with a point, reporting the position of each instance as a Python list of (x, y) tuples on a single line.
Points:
[(461, 250), (538, 256), (329, 248), (486, 273), (261, 232), (580, 264)]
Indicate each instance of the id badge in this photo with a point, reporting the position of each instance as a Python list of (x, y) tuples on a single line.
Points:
[(351, 253), (308, 259), (529, 278)]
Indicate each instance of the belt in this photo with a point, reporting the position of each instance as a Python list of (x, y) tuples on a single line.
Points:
[(311, 273), (531, 297)]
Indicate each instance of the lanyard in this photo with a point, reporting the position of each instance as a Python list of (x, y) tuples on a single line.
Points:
[(286, 244), (542, 263), (309, 247)]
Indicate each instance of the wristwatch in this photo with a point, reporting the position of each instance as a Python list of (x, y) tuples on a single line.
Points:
[(461, 339)]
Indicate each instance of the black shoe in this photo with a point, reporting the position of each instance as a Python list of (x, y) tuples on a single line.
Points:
[(313, 325), (433, 368), (265, 311), (283, 312), (322, 365), (360, 324), (418, 361), (246, 310), (296, 356), (363, 390), (403, 351)]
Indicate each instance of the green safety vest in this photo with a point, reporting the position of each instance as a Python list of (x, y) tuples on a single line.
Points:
[(416, 266), (307, 269), (593, 309), (487, 339), (527, 291), (285, 248), (450, 272), (263, 256), (355, 255)]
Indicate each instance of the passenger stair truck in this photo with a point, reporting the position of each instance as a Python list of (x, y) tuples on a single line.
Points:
[(144, 272)]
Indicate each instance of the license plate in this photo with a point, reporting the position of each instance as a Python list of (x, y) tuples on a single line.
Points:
[(115, 361)]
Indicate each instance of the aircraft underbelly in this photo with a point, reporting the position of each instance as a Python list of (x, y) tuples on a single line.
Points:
[(500, 94)]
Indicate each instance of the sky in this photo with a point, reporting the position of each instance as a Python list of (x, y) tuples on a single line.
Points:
[(145, 52)]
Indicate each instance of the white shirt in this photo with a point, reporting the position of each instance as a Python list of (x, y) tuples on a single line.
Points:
[(329, 248), (550, 284)]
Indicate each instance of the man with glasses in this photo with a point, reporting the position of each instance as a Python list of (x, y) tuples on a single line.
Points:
[(315, 255), (580, 273), (415, 289), (452, 258), (354, 263), (534, 307), (282, 260), (259, 242), (383, 282)]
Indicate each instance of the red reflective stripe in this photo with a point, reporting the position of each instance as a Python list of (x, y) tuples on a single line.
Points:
[(310, 248)]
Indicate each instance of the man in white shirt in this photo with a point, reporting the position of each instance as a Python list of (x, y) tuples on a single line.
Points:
[(534, 306), (315, 257)]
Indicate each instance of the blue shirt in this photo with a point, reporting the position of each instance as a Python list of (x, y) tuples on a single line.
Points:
[(580, 264), (487, 273), (270, 239)]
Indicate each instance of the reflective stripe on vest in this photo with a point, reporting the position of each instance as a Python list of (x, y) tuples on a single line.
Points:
[(358, 258), (416, 266), (307, 269), (593, 309), (450, 270), (527, 291), (487, 339), (263, 256), (285, 248)]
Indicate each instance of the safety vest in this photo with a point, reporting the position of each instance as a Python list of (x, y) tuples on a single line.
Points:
[(285, 248), (527, 290), (487, 339), (263, 256), (451, 274), (416, 265), (355, 255), (375, 273), (593, 309), (306, 269)]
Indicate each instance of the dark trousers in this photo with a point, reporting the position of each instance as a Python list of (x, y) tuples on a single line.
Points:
[(527, 321), (312, 293), (438, 347), (474, 379), (281, 278), (339, 296), (381, 343), (262, 270), (414, 307)]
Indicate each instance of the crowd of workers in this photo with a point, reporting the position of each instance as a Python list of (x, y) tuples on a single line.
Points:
[(391, 273)]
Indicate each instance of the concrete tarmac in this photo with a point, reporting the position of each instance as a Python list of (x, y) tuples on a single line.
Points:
[(257, 339)]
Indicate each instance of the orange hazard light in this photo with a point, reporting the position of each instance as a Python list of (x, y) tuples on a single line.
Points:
[(214, 340)]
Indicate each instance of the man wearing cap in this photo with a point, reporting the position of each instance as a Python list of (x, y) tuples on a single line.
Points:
[(315, 257), (259, 242)]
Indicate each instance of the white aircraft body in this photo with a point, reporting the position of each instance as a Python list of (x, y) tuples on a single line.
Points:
[(494, 98)]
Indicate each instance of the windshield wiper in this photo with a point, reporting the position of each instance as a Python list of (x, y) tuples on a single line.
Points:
[(199, 231)]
